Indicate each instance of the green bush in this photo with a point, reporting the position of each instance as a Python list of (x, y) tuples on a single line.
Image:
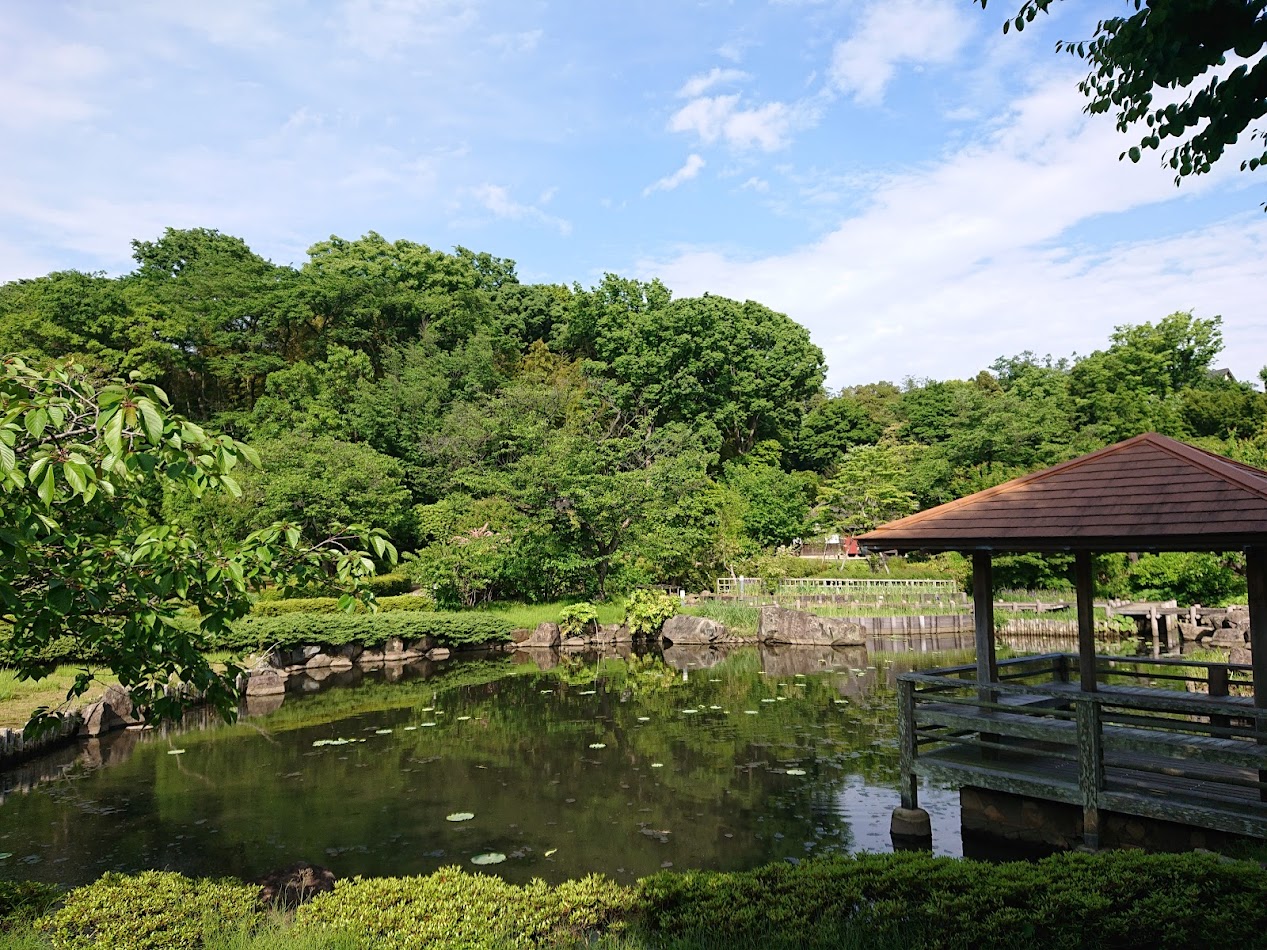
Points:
[(452, 908), (647, 610), (383, 585), (574, 619), (1124, 900), (289, 630), (153, 910), (330, 605)]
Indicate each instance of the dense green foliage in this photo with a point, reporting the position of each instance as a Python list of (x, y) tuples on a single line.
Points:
[(1119, 900), (324, 629), (90, 568), (647, 610), (544, 442)]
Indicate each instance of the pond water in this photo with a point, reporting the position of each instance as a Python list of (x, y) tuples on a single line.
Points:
[(566, 766)]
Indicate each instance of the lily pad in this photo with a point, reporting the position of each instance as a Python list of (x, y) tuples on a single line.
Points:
[(689, 712), (767, 700), (644, 718), (657, 765), (382, 732), (492, 857), (586, 692), (460, 816), (795, 771), (753, 712), (426, 724), (598, 745), (463, 718), (175, 751)]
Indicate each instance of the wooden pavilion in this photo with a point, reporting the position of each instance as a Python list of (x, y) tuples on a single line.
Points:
[(1159, 739)]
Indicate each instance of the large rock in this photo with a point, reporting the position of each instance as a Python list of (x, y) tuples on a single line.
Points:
[(1237, 617), (265, 682), (546, 635), (1229, 637), (780, 625), (113, 711), (682, 628), (287, 888)]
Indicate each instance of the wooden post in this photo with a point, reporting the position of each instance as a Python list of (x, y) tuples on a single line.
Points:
[(983, 614), (1256, 581), (1084, 581), (1152, 624), (1090, 768), (906, 743)]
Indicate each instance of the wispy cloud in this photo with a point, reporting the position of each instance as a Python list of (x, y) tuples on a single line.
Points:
[(497, 200), (714, 118), (386, 27), (694, 163), (698, 85), (893, 32)]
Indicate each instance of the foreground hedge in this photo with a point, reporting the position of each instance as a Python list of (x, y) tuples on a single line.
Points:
[(319, 629), (1118, 900)]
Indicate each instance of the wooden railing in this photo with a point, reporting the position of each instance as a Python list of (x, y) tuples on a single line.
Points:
[(1171, 739), (839, 585)]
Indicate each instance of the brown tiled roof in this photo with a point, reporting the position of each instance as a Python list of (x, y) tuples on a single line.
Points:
[(1147, 493)]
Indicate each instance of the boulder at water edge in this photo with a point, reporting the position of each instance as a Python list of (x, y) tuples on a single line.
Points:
[(682, 628), (780, 625), (546, 635)]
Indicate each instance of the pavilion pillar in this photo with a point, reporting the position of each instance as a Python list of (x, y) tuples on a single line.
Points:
[(1084, 582), (1256, 581), (983, 614)]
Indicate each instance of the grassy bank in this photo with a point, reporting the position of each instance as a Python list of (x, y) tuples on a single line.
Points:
[(1120, 900)]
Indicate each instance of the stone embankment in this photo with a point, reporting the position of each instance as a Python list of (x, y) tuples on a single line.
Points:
[(1228, 629)]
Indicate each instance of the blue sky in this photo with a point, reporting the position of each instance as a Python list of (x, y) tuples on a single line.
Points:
[(920, 191)]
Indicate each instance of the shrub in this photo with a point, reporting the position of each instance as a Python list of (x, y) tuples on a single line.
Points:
[(647, 610), (153, 910), (452, 908), (330, 605), (575, 618), (288, 630), (383, 585)]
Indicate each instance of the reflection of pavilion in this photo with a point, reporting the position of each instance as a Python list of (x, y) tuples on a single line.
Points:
[(1150, 739)]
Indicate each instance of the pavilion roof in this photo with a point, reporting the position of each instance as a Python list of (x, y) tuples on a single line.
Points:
[(1147, 493)]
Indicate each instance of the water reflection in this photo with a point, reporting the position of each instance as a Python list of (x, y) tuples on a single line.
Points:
[(702, 758)]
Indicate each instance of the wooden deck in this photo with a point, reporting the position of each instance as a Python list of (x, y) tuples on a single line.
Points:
[(1168, 740)]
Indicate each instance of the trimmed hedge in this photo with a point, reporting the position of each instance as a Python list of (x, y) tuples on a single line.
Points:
[(383, 585), (330, 605), (1118, 900), (291, 630)]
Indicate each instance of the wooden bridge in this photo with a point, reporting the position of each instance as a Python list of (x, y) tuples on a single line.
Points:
[(1171, 740)]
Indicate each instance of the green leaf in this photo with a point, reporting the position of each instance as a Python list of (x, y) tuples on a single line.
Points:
[(45, 491), (75, 477), (7, 457), (113, 433), (151, 421), (36, 421)]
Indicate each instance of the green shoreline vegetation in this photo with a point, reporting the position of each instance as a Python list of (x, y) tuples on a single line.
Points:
[(1121, 900)]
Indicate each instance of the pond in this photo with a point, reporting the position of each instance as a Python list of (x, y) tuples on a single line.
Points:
[(564, 766)]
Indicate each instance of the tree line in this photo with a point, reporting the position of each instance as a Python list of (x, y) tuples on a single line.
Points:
[(539, 441)]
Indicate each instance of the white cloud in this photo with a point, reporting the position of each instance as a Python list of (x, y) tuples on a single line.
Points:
[(700, 84), (694, 163), (497, 200), (948, 266), (385, 27), (512, 43), (893, 32), (756, 184), (721, 117)]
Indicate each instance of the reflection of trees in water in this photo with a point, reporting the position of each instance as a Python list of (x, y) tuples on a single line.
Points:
[(512, 744)]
